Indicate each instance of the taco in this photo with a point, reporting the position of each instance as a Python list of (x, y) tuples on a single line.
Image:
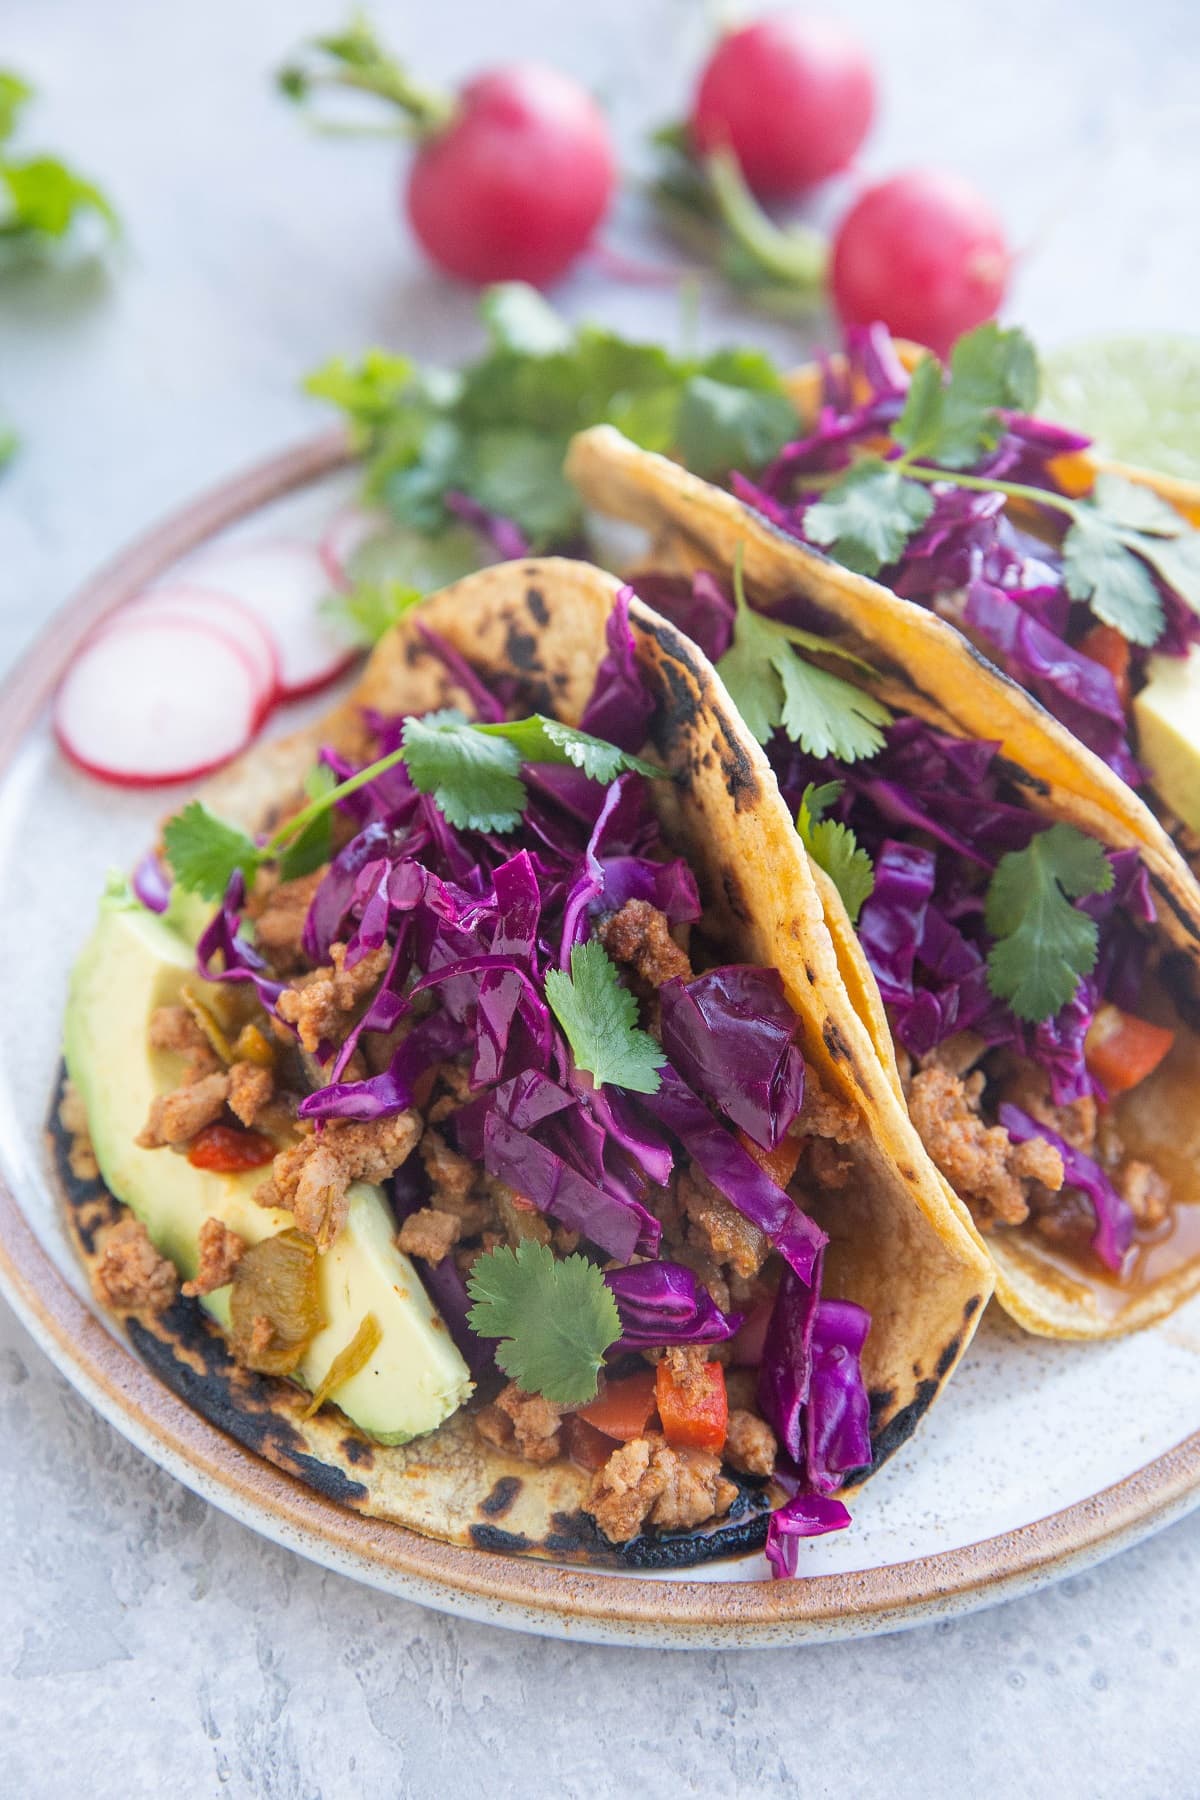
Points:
[(534, 1182), (1025, 954)]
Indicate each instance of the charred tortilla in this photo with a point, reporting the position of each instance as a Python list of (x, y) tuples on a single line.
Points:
[(901, 1245)]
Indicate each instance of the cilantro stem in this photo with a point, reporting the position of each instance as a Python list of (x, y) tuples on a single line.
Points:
[(987, 484), (300, 821), (797, 256)]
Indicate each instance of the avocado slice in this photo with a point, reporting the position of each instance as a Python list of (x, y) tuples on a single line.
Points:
[(134, 962), (1168, 720)]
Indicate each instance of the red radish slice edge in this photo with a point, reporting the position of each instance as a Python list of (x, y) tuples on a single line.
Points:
[(220, 612), (283, 583), (158, 700)]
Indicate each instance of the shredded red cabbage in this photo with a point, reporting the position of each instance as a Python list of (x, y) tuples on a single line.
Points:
[(1114, 1216), (502, 535), (805, 1515), (731, 1034), (663, 1303), (785, 1371)]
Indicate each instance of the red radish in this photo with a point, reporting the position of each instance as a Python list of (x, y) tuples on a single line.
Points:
[(924, 253), (282, 582), (514, 186), (223, 614), (791, 96), (346, 532), (511, 176), (156, 700)]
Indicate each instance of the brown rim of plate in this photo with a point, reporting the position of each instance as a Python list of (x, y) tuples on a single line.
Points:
[(110, 1374)]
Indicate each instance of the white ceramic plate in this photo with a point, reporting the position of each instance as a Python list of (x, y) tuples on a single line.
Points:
[(1040, 1458)]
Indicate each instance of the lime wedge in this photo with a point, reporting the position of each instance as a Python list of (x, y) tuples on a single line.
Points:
[(1139, 397)]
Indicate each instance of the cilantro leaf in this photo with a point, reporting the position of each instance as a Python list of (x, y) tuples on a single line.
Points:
[(772, 686), (1177, 561), (954, 422), (473, 777), (834, 847), (15, 95), (542, 740), (1134, 507), (599, 1017), (720, 427), (519, 319), (204, 851), (555, 1319), (919, 427), (868, 515), (314, 843), (1044, 945), (41, 197), (1099, 567), (369, 609)]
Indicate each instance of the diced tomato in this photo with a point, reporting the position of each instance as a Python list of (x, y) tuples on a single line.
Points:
[(779, 1163), (1121, 1049), (694, 1421), (1106, 646), (585, 1445), (228, 1150), (624, 1407)]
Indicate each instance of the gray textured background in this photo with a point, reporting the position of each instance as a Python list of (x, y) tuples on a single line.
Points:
[(147, 1644)]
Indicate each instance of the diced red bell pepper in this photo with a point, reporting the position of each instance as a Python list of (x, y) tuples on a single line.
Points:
[(694, 1421), (585, 1445), (779, 1163), (1121, 1049), (623, 1408), (229, 1150), (1105, 645)]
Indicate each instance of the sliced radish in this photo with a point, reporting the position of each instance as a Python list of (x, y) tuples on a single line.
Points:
[(158, 699), (283, 583), (346, 532), (228, 616)]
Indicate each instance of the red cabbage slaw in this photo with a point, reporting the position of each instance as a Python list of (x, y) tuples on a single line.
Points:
[(969, 560), (472, 928)]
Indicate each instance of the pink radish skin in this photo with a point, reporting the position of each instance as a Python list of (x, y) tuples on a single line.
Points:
[(346, 532), (282, 582), (155, 701), (220, 613)]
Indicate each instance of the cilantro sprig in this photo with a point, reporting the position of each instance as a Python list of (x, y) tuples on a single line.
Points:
[(772, 685), (1117, 540), (42, 199), (599, 1017), (471, 771), (498, 429), (554, 1319), (1044, 945), (834, 847)]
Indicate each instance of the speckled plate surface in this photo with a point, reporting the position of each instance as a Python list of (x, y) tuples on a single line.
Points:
[(1041, 1459)]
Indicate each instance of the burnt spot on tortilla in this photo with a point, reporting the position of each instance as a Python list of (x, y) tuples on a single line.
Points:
[(1186, 914), (1021, 777), (743, 1528), (900, 1427), (947, 1359), (575, 1534), (491, 1537), (971, 1308), (521, 649), (499, 1501), (359, 1451), (835, 1043), (734, 897), (811, 973), (535, 600), (674, 717)]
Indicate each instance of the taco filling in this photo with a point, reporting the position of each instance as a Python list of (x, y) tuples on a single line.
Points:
[(1094, 610), (1027, 994), (468, 970)]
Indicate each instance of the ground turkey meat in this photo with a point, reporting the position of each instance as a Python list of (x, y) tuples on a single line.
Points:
[(646, 1482), (429, 1233), (1144, 1190), (131, 1274), (1029, 1088), (979, 1161), (321, 1005), (826, 1115), (311, 1179), (640, 935), (176, 1118), (220, 1253), (452, 1181), (251, 1088), (173, 1028), (720, 1229), (688, 1366), (525, 1424), (749, 1443), (279, 909)]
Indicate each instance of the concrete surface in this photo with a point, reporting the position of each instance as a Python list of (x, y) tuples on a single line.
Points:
[(147, 1644)]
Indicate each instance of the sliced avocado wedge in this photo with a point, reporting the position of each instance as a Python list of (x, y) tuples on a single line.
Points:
[(132, 963), (1168, 720)]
